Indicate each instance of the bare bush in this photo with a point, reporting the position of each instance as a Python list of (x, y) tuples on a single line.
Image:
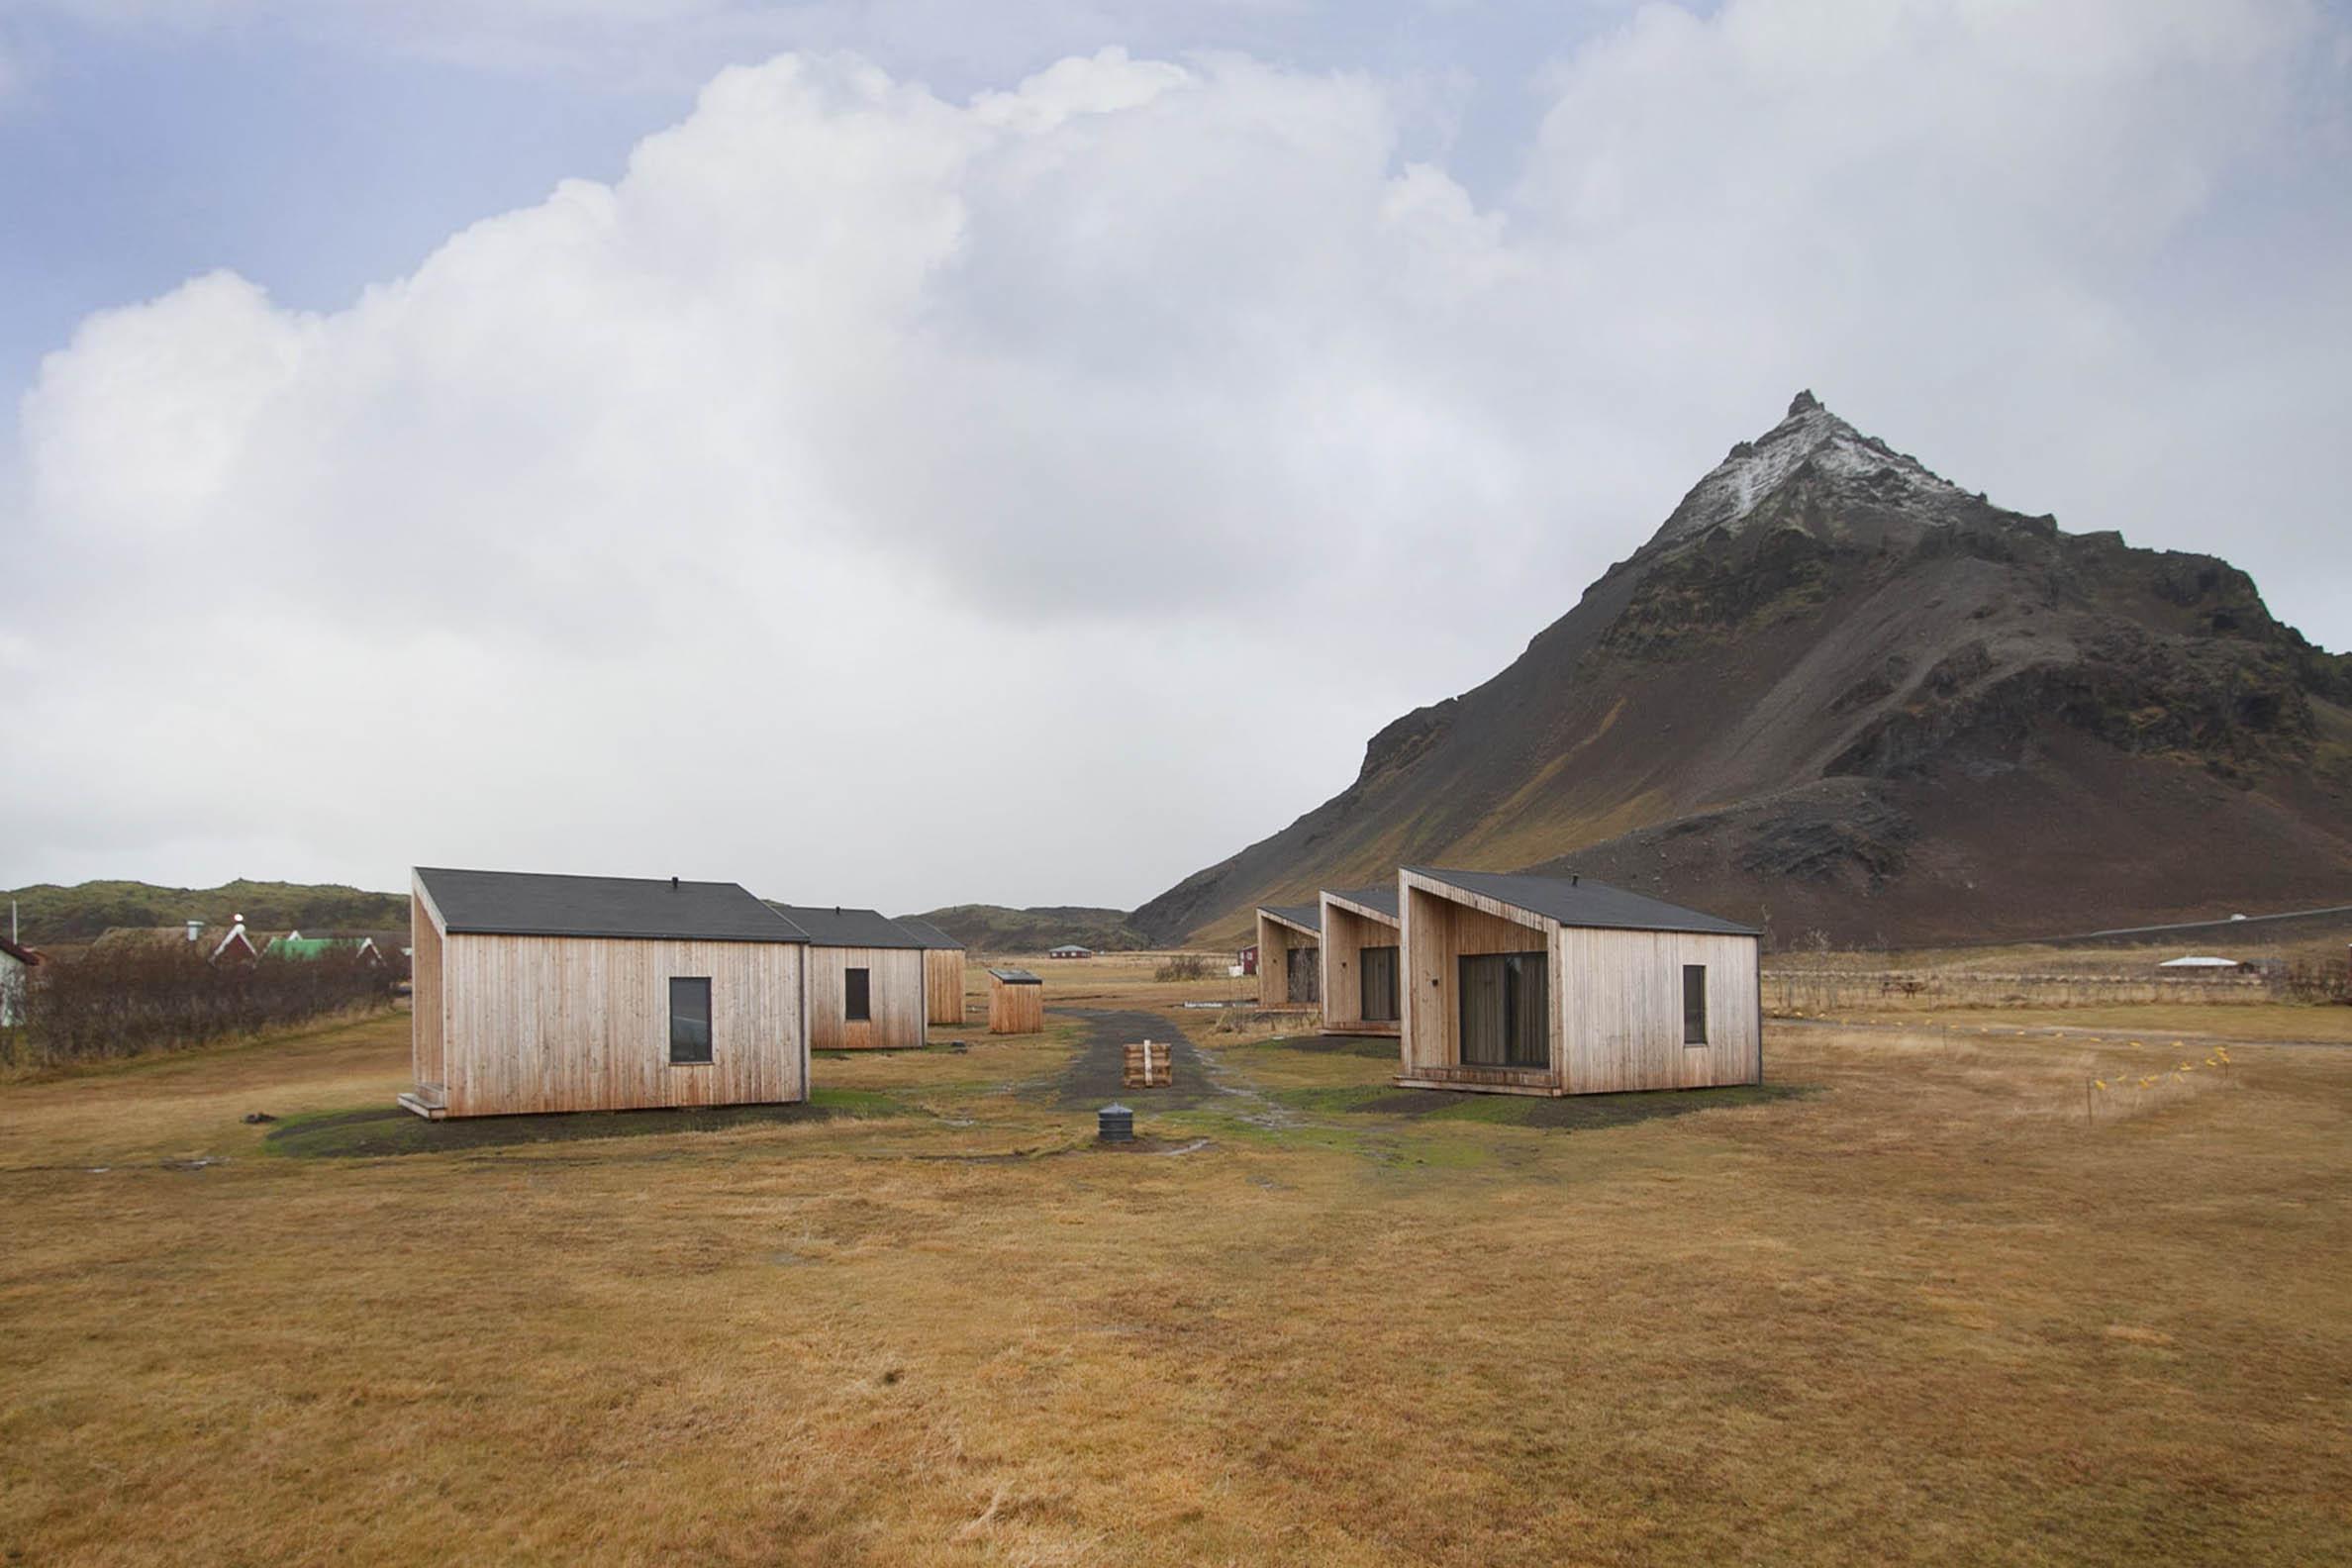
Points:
[(133, 1000), (1183, 966), (2314, 982)]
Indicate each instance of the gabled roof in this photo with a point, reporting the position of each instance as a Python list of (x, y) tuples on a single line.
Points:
[(1380, 900), (1016, 977), (642, 909), (928, 934), (320, 946), (832, 925), (1581, 901), (22, 954), (1306, 916)]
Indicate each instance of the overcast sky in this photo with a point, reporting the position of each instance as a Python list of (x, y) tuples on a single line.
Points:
[(917, 452)]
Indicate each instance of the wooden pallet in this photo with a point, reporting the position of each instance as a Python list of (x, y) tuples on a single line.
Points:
[(1148, 1066)]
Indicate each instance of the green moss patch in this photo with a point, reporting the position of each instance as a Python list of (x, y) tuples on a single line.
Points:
[(389, 1129), (1574, 1113), (1372, 1047)]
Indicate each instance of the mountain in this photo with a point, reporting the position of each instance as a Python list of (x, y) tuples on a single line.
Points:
[(48, 913), (992, 927), (1838, 694)]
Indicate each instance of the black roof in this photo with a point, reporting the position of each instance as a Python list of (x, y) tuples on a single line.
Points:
[(830, 926), (928, 934), (1584, 902), (1381, 900), (1305, 916), (647, 909), (1016, 977)]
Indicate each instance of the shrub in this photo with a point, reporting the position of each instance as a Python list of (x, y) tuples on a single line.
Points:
[(1183, 966), (128, 1001)]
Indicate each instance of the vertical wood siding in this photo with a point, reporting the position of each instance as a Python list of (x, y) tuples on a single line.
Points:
[(1016, 1009), (1622, 993), (1280, 947), (1346, 935), (571, 1023), (943, 984), (1437, 933), (426, 1001), (895, 996)]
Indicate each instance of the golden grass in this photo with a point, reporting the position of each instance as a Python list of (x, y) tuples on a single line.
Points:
[(1925, 1313), (2254, 1021)]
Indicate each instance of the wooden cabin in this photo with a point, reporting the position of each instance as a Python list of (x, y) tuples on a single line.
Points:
[(943, 972), (1290, 963), (1016, 1003), (540, 993), (867, 984), (1564, 986), (1360, 962)]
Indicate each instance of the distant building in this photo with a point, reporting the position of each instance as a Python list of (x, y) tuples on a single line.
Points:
[(215, 943), (296, 945), (1289, 954), (1360, 961), (17, 963), (2200, 962), (1069, 950), (942, 971), (865, 979)]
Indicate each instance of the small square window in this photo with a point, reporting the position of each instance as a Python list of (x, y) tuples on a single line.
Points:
[(690, 1021), (858, 995), (1693, 1004)]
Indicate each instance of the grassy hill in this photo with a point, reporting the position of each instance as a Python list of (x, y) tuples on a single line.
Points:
[(992, 927), (48, 913)]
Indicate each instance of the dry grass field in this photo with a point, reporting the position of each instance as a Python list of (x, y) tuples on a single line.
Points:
[(1939, 1303)]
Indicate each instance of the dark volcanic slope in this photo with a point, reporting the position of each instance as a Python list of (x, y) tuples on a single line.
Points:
[(1839, 693)]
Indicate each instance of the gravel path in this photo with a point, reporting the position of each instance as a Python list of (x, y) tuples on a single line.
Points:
[(1096, 1075)]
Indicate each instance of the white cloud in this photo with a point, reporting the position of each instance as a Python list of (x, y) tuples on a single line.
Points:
[(885, 498)]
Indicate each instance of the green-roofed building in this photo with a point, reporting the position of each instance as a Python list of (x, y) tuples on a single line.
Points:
[(299, 946)]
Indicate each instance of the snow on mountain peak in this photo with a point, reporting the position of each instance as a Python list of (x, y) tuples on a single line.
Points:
[(1810, 436)]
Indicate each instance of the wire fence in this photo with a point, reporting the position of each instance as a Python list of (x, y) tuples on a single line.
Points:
[(1795, 992)]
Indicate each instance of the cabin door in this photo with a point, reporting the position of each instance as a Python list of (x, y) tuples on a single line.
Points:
[(1506, 1010), (1306, 987), (1379, 973)]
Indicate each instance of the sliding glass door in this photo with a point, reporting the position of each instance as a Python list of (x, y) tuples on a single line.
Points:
[(1506, 1010)]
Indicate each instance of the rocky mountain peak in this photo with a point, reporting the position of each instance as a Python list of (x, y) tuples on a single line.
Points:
[(1809, 441)]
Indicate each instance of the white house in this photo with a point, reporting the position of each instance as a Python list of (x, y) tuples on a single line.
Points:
[(16, 965)]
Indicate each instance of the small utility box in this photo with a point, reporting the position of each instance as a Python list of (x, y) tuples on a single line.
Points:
[(1016, 1003)]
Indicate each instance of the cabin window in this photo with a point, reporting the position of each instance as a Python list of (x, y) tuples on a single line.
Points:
[(858, 995), (1693, 1004), (1380, 985), (690, 1021), (1506, 1010)]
